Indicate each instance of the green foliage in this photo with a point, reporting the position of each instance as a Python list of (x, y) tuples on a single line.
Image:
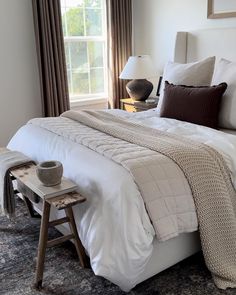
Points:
[(74, 17), (93, 22)]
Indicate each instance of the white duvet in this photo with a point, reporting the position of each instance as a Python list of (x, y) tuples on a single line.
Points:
[(113, 224)]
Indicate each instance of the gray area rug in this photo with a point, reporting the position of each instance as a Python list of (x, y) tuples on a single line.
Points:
[(63, 274)]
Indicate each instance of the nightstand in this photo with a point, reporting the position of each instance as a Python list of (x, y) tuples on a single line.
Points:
[(130, 105)]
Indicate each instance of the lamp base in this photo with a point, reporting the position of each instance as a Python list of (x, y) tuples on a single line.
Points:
[(139, 89)]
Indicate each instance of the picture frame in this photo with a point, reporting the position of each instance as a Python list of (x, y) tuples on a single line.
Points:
[(221, 9)]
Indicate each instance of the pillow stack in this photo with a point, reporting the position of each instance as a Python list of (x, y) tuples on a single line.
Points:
[(187, 95)]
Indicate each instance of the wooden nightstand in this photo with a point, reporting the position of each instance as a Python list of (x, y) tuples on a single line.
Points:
[(130, 105)]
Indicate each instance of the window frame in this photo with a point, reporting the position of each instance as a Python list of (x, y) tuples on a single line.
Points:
[(76, 99)]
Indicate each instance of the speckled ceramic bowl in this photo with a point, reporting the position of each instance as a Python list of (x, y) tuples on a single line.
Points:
[(50, 172)]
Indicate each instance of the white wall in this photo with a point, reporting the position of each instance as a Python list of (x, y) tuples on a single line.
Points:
[(157, 21), (19, 85)]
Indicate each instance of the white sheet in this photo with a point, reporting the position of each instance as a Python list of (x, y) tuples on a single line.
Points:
[(113, 223)]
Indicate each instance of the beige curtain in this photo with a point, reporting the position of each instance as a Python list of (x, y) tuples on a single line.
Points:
[(119, 24), (51, 56)]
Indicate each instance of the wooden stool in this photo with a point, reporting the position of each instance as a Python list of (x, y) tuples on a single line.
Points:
[(66, 202), (62, 196)]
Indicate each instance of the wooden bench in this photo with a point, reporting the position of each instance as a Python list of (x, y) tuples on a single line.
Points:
[(62, 197)]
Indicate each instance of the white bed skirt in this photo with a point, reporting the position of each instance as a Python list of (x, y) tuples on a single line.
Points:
[(164, 255)]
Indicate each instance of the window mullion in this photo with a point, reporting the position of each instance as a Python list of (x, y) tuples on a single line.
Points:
[(84, 18), (89, 73), (70, 64), (84, 38)]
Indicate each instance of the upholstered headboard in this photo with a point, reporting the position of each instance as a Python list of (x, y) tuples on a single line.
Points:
[(196, 45)]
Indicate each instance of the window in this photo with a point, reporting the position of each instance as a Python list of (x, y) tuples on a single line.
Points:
[(84, 31)]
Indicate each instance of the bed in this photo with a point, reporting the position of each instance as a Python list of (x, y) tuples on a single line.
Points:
[(129, 253)]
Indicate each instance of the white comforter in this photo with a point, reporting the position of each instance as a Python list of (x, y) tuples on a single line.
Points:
[(113, 224)]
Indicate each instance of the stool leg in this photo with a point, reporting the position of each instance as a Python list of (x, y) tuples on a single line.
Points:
[(30, 208), (42, 245), (78, 245)]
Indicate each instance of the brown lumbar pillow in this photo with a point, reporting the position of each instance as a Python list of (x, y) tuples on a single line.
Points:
[(198, 105)]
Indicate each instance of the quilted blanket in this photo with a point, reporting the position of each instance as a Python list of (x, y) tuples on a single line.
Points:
[(203, 167)]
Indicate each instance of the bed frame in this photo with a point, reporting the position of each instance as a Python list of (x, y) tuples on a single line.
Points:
[(189, 47), (197, 45)]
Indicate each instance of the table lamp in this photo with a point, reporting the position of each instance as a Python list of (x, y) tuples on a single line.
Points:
[(138, 68)]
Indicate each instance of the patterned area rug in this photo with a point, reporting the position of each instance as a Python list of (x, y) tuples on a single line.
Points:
[(64, 276)]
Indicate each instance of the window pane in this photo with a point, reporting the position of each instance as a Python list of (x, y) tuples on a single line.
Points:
[(80, 83), (79, 60), (73, 20), (97, 80), (93, 3), (93, 22), (69, 81), (67, 48), (95, 54), (63, 11)]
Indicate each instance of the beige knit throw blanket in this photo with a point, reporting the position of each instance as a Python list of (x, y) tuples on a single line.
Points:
[(207, 175)]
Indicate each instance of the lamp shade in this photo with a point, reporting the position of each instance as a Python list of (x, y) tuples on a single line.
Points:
[(138, 67)]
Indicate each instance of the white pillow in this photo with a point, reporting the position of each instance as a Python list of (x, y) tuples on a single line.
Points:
[(189, 74), (226, 72)]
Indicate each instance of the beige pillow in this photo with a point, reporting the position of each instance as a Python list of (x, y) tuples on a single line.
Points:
[(226, 72), (189, 74)]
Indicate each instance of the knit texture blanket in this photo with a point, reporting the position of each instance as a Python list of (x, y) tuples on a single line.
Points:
[(9, 159), (207, 175)]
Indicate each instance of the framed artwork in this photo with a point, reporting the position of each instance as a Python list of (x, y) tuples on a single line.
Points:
[(221, 8)]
